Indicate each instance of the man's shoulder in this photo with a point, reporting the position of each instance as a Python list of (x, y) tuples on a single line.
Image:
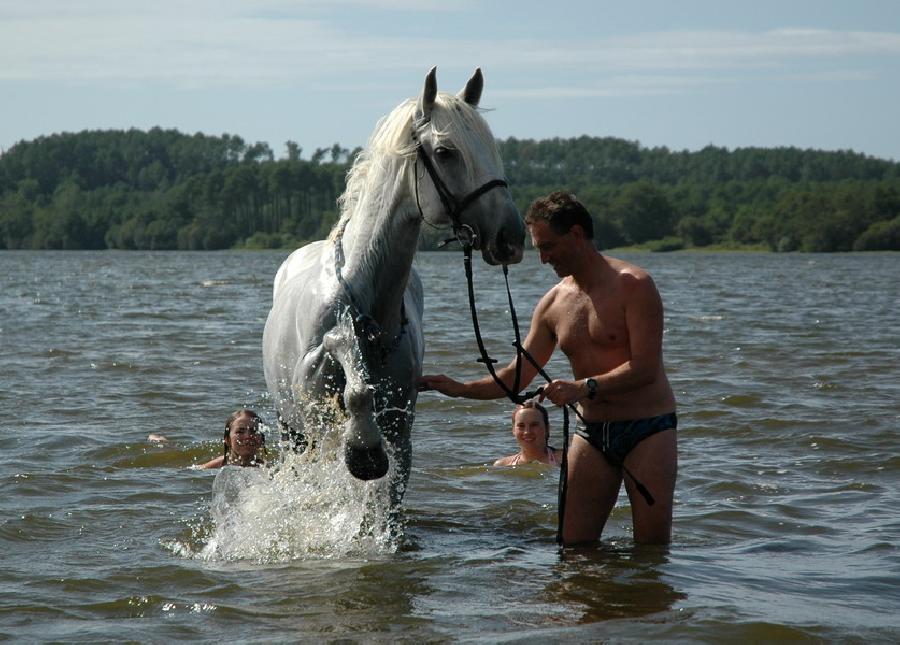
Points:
[(553, 294), (627, 270), (631, 278), (559, 296)]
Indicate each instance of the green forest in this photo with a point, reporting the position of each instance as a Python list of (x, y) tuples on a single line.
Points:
[(162, 189)]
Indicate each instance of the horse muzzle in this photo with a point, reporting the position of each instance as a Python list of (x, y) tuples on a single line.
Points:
[(506, 246)]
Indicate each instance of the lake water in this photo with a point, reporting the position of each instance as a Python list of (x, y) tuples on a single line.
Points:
[(787, 373)]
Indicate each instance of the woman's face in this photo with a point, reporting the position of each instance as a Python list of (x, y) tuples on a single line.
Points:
[(529, 429), (244, 438)]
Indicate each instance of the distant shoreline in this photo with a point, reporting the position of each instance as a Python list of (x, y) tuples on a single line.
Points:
[(162, 189)]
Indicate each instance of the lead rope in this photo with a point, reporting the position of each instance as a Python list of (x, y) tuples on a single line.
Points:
[(563, 486), (513, 394), (515, 397), (466, 237), (637, 484)]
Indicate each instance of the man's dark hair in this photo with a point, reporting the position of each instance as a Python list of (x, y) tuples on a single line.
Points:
[(561, 211)]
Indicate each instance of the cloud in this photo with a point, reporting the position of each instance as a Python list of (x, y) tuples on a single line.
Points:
[(616, 86), (205, 42), (833, 76), (704, 50)]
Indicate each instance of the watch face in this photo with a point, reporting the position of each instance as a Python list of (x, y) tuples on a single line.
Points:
[(592, 388)]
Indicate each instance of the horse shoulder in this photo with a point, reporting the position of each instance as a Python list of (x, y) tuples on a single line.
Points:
[(306, 261)]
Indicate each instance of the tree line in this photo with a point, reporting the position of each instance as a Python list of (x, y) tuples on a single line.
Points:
[(162, 189)]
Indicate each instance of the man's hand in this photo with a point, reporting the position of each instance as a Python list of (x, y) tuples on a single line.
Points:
[(440, 383), (562, 392)]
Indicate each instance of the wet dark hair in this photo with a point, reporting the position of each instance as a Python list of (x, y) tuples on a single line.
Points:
[(534, 405), (234, 416), (561, 211)]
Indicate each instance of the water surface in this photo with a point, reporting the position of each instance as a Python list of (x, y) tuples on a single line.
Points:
[(786, 372)]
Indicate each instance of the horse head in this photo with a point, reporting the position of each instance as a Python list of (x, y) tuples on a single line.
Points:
[(467, 188)]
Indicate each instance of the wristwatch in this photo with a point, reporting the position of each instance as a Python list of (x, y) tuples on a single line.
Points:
[(592, 387)]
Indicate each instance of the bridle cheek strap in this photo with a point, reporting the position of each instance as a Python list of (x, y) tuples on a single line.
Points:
[(451, 204)]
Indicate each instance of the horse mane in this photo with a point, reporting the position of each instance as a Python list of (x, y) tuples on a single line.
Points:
[(390, 150)]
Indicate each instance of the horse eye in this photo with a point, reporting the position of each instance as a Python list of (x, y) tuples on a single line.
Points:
[(443, 152)]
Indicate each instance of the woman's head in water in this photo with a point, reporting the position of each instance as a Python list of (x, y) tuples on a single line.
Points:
[(531, 425), (242, 439)]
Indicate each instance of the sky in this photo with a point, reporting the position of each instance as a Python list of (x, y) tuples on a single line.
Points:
[(684, 74)]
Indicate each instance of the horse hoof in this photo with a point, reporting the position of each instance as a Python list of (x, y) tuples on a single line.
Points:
[(366, 464)]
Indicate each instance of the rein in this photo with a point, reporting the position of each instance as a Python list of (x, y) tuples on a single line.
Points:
[(467, 239), (513, 394), (515, 397)]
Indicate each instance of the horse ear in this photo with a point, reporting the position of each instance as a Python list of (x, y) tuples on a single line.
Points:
[(471, 93), (429, 93)]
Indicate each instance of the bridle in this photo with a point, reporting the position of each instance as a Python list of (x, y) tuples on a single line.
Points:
[(364, 323), (467, 238), (453, 205)]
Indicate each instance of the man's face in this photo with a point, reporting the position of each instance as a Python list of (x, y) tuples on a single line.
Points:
[(554, 249)]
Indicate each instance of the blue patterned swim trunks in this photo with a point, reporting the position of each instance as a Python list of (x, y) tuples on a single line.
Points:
[(615, 439)]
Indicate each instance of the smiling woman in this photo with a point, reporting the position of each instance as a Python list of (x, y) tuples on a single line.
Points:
[(242, 441), (531, 428)]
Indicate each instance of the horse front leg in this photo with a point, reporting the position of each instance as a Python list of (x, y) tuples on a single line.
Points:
[(396, 424), (317, 382), (364, 452)]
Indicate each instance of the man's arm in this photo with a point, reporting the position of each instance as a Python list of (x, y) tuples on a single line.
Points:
[(644, 320), (540, 343)]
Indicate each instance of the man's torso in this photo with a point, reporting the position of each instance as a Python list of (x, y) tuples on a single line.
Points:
[(591, 329)]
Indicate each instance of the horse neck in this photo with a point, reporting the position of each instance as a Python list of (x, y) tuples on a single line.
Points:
[(379, 242)]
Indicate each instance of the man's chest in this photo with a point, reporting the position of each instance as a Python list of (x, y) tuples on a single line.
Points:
[(596, 321)]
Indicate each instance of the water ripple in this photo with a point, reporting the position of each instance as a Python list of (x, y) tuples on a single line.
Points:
[(785, 518)]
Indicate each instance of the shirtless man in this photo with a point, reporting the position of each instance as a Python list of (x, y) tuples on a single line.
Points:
[(607, 317)]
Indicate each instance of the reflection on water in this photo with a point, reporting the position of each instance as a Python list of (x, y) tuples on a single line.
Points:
[(606, 582)]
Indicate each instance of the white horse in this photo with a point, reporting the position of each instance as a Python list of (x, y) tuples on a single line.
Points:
[(433, 159)]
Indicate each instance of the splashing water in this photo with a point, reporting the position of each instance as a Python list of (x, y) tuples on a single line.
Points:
[(306, 506)]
